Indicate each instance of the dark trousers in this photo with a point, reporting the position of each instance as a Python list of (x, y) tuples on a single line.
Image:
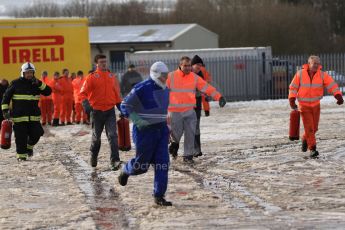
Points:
[(107, 119), (197, 142), (27, 133)]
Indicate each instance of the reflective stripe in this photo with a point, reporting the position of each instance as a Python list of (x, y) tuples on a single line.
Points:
[(43, 86), (214, 94), (19, 155), (309, 99), (195, 80), (334, 90), (4, 106), (181, 105), (322, 75), (31, 147), (35, 118), (26, 118), (26, 97), (312, 85), (331, 85), (204, 89), (293, 91), (294, 85), (300, 77), (20, 119), (182, 90)]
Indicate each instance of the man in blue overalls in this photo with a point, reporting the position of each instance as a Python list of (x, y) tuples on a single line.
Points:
[(147, 106)]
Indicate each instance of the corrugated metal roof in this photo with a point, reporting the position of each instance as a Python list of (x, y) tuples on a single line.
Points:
[(137, 33)]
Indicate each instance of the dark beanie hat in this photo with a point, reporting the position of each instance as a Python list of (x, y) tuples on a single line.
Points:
[(196, 59)]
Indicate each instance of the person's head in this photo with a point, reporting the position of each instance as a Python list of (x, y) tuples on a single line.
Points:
[(101, 62), (28, 71), (314, 63), (185, 65), (159, 73), (44, 74), (80, 73), (131, 67), (56, 75), (4, 83), (65, 72), (196, 63)]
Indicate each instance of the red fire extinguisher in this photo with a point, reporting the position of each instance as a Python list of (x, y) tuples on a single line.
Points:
[(123, 134), (6, 132), (294, 125)]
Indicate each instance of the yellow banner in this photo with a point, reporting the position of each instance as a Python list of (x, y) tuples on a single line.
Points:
[(51, 44)]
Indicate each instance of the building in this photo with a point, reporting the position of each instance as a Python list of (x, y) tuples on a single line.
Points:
[(114, 41)]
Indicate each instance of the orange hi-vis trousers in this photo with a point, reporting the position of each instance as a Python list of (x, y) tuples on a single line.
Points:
[(310, 117), (57, 99), (46, 110), (66, 109), (80, 113)]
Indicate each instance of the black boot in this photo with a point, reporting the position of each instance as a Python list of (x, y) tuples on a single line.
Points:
[(304, 146), (188, 159), (162, 202), (314, 153), (197, 145), (93, 161), (55, 122), (173, 149), (123, 178)]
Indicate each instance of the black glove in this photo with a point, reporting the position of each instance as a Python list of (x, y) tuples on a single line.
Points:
[(339, 98), (222, 102), (207, 113), (87, 107), (35, 81), (6, 114)]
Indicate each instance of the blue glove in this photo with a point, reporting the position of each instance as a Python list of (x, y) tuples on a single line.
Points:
[(140, 123)]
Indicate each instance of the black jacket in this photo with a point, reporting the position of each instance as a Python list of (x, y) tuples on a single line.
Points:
[(25, 96)]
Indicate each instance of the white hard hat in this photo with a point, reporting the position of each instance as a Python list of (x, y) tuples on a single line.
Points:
[(157, 69), (26, 67)]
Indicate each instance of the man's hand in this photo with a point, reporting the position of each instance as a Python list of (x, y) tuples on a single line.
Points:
[(222, 102), (339, 98), (292, 102), (87, 107)]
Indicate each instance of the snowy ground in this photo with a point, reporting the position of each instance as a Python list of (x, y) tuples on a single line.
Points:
[(250, 177)]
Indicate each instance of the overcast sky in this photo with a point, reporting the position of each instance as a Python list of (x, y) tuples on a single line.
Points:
[(6, 5)]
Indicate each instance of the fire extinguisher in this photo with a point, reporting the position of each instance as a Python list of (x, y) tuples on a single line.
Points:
[(123, 134), (6, 133), (294, 125)]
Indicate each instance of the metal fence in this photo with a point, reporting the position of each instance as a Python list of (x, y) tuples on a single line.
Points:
[(251, 78)]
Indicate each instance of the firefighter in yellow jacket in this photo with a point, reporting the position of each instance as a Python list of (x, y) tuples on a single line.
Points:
[(308, 87)]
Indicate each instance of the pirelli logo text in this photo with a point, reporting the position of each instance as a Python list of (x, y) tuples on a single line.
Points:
[(33, 48)]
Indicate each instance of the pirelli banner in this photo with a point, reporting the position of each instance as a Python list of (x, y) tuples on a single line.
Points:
[(51, 44)]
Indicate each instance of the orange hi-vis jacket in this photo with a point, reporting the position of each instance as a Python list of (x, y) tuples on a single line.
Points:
[(309, 91), (182, 90), (47, 81), (77, 84), (102, 89), (206, 74)]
